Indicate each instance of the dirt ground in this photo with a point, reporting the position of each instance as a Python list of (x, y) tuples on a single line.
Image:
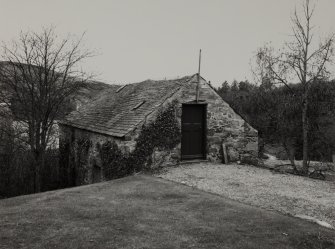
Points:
[(148, 212), (286, 193)]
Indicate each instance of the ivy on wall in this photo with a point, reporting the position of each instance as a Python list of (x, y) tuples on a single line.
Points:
[(162, 134), (82, 147), (64, 163), (114, 162)]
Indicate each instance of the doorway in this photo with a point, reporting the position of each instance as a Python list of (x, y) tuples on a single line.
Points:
[(193, 140)]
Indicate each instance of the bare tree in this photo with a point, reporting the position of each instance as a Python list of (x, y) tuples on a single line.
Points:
[(38, 74), (301, 60)]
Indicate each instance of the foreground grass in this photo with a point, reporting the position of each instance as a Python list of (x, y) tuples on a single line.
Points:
[(147, 212)]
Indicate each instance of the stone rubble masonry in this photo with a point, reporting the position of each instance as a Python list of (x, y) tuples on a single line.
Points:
[(223, 126)]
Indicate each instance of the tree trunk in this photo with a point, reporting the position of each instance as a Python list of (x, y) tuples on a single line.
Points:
[(305, 135), (38, 166), (290, 151), (37, 185)]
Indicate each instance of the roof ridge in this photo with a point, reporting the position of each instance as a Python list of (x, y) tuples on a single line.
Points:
[(163, 80)]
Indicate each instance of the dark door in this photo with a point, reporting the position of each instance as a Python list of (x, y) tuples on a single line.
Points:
[(193, 141)]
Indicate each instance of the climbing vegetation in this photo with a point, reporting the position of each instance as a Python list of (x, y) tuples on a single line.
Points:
[(161, 134)]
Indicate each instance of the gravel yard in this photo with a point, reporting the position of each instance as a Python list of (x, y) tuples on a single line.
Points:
[(288, 194)]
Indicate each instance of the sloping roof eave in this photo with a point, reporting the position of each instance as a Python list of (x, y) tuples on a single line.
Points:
[(112, 134)]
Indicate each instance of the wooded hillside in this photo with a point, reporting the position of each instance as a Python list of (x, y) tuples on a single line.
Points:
[(275, 111)]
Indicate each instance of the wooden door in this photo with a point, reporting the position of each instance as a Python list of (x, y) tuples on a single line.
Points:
[(193, 142)]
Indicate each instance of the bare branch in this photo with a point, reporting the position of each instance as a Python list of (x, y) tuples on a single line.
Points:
[(39, 75)]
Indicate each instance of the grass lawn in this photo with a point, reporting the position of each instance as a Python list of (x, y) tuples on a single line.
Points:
[(148, 212)]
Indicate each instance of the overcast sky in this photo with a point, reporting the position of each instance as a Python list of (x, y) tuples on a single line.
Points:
[(138, 40)]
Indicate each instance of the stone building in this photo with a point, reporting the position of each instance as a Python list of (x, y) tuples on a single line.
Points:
[(118, 114)]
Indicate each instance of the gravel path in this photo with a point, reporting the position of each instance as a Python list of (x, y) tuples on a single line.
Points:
[(289, 194)]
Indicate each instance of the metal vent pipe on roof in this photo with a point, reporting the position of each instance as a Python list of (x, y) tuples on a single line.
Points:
[(198, 85)]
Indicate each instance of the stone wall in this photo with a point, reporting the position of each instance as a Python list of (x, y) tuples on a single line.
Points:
[(71, 135), (223, 126)]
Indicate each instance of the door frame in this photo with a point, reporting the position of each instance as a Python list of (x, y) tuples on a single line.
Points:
[(204, 134)]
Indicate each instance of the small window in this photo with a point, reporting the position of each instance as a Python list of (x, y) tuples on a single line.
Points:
[(139, 105), (120, 88)]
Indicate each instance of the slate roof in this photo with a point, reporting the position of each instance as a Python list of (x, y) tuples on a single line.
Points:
[(114, 112)]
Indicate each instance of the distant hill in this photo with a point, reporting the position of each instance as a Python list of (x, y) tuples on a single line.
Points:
[(88, 91)]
